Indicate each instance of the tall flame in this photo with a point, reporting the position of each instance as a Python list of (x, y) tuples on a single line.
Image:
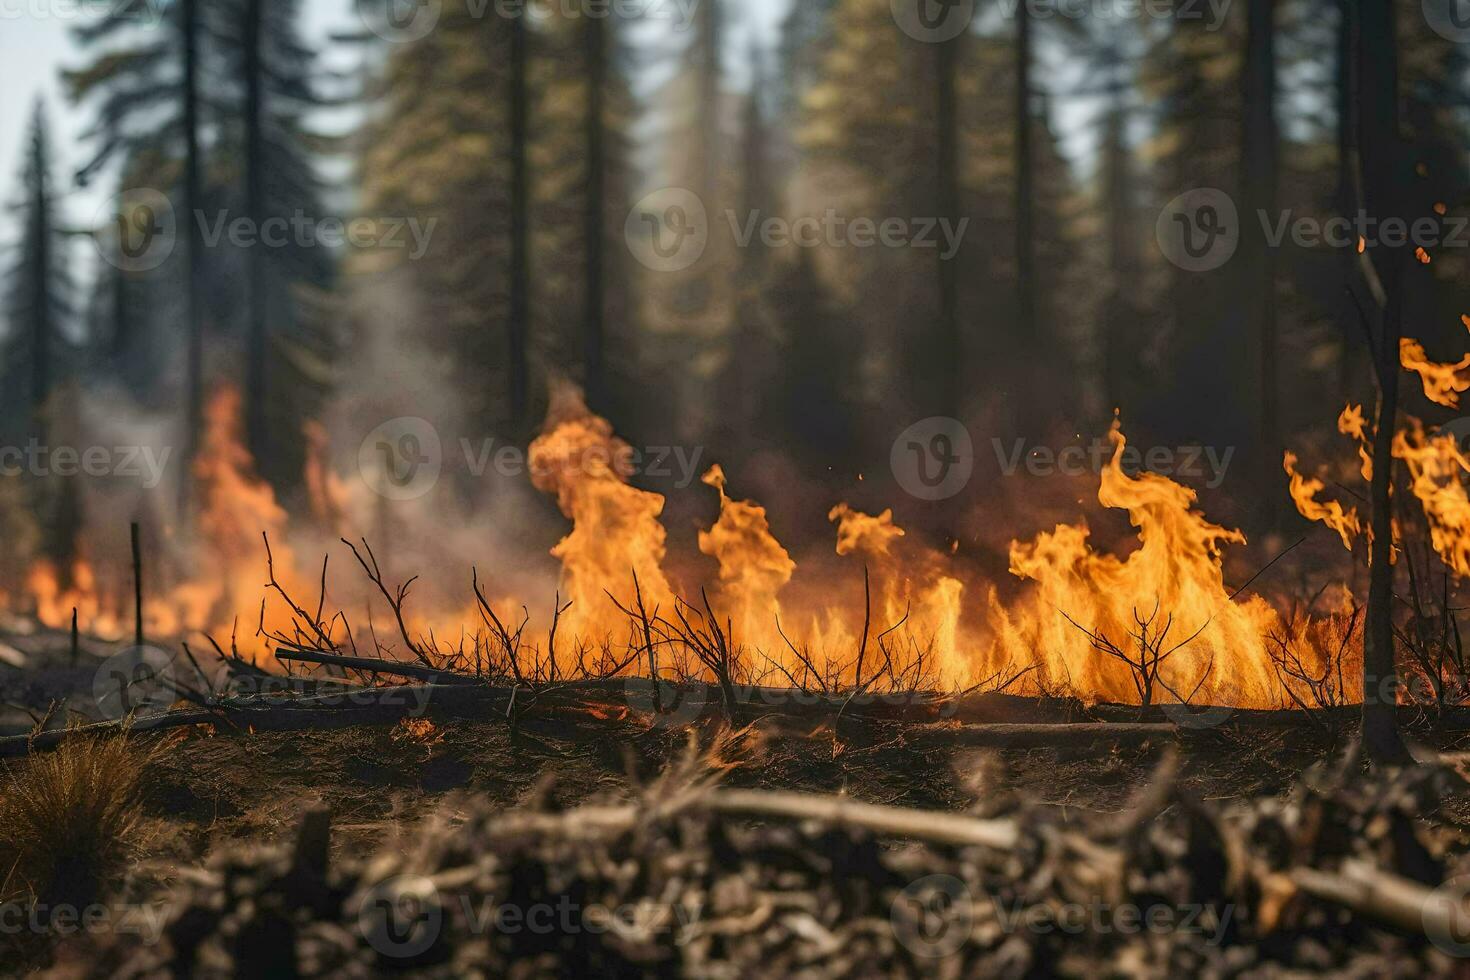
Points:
[(615, 528), (1173, 585)]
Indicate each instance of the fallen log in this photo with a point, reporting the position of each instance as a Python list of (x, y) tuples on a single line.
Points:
[(374, 665), (936, 827), (388, 705), (344, 709), (1061, 734), (1388, 898)]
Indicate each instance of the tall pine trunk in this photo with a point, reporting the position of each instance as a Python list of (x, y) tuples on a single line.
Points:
[(194, 371), (594, 233), (1121, 312), (257, 340), (43, 329), (1382, 159), (1025, 196), (1351, 364), (1259, 154), (520, 238), (947, 173)]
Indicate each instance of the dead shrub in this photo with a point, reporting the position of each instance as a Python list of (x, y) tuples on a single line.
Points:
[(70, 821)]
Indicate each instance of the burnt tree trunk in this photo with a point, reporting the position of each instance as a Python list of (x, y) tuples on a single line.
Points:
[(1259, 159), (947, 173), (193, 312), (520, 236), (1025, 198), (1351, 366), (257, 349), (43, 329), (594, 232), (1381, 158)]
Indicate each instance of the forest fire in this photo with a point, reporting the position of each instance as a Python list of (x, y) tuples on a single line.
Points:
[(680, 488), (1159, 625)]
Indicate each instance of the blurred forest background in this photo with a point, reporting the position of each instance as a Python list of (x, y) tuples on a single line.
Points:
[(529, 139)]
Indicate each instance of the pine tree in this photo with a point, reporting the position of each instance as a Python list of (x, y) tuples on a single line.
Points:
[(151, 108), (38, 356), (267, 160), (1190, 74), (440, 145), (38, 286)]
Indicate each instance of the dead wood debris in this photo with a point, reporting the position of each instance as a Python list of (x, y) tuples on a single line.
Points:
[(689, 879)]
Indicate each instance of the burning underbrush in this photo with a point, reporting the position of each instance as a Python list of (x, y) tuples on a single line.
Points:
[(882, 611)]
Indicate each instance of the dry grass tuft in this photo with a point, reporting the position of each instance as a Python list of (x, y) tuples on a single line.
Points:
[(70, 820)]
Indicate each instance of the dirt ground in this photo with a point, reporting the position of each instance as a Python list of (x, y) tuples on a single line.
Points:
[(209, 787)]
